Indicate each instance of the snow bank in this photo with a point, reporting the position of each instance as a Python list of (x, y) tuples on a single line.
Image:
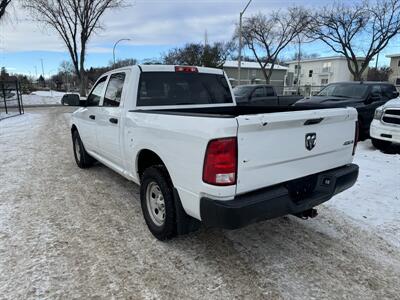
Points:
[(42, 97)]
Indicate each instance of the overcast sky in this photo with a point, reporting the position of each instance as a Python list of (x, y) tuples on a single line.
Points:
[(153, 26)]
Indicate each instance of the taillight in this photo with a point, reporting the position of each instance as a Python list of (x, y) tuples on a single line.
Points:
[(186, 69), (220, 162), (356, 137)]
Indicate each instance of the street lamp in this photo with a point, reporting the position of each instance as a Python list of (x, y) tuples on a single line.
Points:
[(240, 40), (115, 45)]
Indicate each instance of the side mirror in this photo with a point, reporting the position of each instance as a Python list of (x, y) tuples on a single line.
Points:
[(395, 94), (72, 100)]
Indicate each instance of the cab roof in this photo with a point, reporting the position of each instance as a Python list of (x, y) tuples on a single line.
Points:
[(168, 68)]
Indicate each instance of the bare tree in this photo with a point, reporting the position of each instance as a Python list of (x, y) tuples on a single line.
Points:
[(75, 21), (3, 6), (362, 28), (266, 36), (194, 54)]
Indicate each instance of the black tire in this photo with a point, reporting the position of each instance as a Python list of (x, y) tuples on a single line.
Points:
[(380, 144), (158, 175), (362, 132), (82, 158)]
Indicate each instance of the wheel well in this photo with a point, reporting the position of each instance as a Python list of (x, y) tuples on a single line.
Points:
[(146, 159), (73, 129)]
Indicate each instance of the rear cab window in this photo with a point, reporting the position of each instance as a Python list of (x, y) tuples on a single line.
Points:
[(182, 88), (258, 93)]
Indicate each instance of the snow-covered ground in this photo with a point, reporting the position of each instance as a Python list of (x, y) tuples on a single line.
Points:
[(374, 201), (79, 234), (42, 97)]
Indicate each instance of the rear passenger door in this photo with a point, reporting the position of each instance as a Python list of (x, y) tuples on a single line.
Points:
[(109, 119), (258, 96)]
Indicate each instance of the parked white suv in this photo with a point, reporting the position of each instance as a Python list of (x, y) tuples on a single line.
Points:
[(385, 128), (197, 156)]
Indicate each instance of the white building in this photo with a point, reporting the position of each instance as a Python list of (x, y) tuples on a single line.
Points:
[(251, 73), (394, 76), (317, 72)]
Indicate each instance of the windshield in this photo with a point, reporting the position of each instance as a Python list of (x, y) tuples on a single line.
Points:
[(179, 88), (242, 90), (344, 90)]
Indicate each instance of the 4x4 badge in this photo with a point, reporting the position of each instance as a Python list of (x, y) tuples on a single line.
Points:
[(311, 140)]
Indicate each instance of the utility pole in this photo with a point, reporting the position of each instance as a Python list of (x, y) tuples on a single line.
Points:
[(42, 67), (115, 45), (298, 67), (240, 40), (205, 38)]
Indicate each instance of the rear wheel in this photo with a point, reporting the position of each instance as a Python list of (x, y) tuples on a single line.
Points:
[(82, 158), (161, 206), (380, 144), (157, 201)]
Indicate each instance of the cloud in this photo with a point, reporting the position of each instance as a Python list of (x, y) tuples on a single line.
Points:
[(146, 22)]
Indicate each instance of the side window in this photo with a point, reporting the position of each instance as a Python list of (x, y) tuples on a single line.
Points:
[(94, 98), (113, 93), (376, 91), (258, 93), (269, 91)]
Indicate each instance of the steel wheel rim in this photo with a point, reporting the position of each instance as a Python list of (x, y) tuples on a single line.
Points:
[(77, 149), (155, 203)]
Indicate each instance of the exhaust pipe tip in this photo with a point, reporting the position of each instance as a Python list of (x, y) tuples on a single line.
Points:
[(307, 214)]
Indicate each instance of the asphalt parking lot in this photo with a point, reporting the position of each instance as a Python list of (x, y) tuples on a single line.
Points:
[(67, 233)]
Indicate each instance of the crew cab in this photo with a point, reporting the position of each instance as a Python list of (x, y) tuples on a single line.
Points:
[(385, 128), (365, 96), (197, 156), (261, 94)]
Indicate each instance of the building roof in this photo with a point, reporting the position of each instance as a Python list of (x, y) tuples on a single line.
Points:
[(249, 65), (393, 55), (322, 59)]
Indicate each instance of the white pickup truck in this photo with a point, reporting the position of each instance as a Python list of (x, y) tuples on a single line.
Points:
[(385, 127), (177, 132)]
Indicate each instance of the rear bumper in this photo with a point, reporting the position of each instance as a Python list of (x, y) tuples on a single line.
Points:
[(274, 201), (380, 131)]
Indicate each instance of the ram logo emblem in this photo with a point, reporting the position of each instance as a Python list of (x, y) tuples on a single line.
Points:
[(311, 140)]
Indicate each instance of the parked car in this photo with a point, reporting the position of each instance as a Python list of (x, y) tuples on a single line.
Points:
[(261, 94), (385, 128), (197, 156), (364, 96)]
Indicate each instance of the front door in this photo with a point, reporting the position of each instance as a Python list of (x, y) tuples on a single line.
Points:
[(109, 120), (87, 118)]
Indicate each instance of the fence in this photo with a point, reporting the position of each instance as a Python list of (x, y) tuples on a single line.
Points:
[(10, 98), (302, 90)]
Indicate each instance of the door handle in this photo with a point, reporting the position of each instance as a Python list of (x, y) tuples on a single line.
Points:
[(113, 120), (93, 117)]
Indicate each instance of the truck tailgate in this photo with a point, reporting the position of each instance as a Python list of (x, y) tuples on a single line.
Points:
[(277, 147)]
